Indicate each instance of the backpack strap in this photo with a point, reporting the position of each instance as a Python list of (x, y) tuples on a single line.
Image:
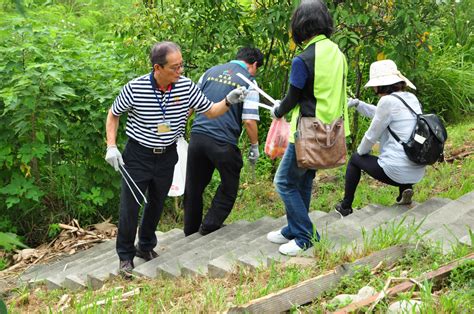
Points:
[(395, 136), (404, 102)]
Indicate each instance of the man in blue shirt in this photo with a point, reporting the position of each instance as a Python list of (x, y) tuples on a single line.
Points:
[(213, 143)]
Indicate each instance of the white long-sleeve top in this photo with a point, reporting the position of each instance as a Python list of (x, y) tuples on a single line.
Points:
[(390, 111)]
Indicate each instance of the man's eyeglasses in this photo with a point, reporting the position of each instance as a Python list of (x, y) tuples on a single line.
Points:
[(177, 68)]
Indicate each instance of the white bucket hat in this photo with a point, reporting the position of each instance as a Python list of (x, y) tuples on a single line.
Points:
[(384, 73)]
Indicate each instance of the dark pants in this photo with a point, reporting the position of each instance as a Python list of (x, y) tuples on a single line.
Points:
[(153, 173), (204, 155), (369, 164)]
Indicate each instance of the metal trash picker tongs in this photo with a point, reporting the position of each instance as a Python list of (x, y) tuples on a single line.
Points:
[(261, 92), (122, 171)]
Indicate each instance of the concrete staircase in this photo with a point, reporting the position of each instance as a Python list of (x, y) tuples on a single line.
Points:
[(244, 243)]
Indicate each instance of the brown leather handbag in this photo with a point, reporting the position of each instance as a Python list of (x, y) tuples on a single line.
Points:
[(319, 145)]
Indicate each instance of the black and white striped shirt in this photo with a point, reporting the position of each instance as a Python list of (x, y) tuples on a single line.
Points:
[(145, 112)]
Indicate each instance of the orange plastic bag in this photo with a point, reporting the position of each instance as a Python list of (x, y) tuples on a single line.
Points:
[(277, 138)]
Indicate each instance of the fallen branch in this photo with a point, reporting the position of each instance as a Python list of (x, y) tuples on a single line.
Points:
[(307, 290), (407, 285), (63, 302), (116, 299), (458, 156), (382, 294)]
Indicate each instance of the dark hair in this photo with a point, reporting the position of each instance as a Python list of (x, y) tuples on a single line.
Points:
[(311, 18), (160, 50), (388, 89), (250, 55)]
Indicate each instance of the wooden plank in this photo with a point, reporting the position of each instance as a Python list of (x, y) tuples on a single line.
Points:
[(307, 290), (405, 286)]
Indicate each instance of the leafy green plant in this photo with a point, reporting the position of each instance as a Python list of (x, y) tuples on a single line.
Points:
[(53, 230), (63, 63), (9, 241)]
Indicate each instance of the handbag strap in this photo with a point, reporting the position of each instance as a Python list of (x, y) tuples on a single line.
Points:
[(395, 136), (344, 84)]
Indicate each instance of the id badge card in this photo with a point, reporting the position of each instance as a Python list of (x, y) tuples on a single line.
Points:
[(163, 127)]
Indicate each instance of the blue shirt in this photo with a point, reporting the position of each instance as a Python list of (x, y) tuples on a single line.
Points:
[(216, 83), (299, 73)]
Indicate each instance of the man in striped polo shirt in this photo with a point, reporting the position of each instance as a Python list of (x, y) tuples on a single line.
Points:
[(213, 143), (157, 105)]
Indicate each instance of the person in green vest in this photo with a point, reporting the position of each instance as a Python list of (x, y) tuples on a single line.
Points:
[(317, 89)]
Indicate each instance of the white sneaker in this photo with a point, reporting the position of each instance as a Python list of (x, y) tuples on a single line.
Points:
[(277, 237), (290, 248)]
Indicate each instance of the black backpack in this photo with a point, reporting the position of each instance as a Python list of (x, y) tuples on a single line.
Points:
[(426, 143)]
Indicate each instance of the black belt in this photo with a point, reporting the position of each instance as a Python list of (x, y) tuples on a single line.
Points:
[(155, 150)]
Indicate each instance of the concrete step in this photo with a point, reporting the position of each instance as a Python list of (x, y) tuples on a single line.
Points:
[(108, 268), (81, 258), (193, 241), (450, 235), (73, 274), (467, 198), (450, 223), (466, 240), (424, 209), (218, 253), (57, 280), (353, 239), (348, 231), (257, 257), (452, 212), (54, 276), (226, 263), (344, 230), (195, 261), (198, 264), (40, 273), (342, 233)]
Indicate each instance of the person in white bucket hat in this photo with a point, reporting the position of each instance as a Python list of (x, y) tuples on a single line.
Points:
[(392, 165), (385, 72)]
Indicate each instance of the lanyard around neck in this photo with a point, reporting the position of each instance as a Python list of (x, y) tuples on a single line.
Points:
[(160, 103)]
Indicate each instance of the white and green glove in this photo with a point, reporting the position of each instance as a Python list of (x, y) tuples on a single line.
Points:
[(253, 154), (114, 157), (352, 102), (275, 108), (236, 95)]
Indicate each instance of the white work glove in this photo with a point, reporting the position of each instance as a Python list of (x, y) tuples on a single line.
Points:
[(236, 95), (114, 157), (253, 154), (275, 106), (352, 102)]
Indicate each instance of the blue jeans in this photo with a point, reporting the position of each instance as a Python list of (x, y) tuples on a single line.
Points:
[(294, 186)]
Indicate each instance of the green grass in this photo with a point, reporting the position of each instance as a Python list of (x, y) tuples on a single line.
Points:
[(257, 198)]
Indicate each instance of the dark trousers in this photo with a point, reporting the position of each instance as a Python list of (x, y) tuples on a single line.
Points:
[(204, 155), (368, 164), (153, 173)]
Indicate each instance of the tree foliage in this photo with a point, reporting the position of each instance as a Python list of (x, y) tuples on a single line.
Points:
[(63, 62)]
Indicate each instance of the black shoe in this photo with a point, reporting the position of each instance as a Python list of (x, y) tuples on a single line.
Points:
[(405, 198), (126, 268), (146, 255), (343, 211), (206, 230)]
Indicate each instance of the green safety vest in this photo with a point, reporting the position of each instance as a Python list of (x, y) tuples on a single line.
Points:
[(330, 75)]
